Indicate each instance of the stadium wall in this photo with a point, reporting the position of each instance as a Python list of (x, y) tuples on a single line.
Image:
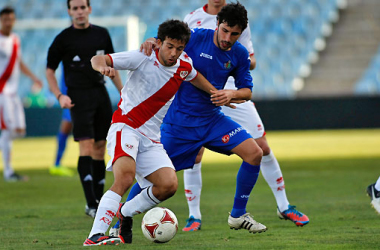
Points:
[(300, 114)]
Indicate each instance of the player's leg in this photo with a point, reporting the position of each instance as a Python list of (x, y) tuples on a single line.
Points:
[(373, 192), (86, 176), (192, 179), (246, 179), (12, 126), (98, 168), (63, 134), (124, 172), (272, 174), (156, 175)]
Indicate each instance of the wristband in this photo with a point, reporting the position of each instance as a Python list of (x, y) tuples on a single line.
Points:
[(60, 94)]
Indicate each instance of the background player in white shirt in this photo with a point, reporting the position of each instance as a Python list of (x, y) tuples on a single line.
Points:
[(205, 17), (12, 117), (133, 140)]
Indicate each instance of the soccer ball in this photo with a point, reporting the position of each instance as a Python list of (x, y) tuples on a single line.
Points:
[(159, 225)]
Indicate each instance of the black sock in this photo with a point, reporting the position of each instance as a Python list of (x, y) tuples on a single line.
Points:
[(98, 175), (86, 178)]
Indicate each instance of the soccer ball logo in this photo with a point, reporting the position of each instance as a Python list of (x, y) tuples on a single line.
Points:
[(159, 225)]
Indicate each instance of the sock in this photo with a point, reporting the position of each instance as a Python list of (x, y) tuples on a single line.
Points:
[(377, 184), (272, 174), (62, 139), (141, 203), (98, 175), (108, 206), (84, 170), (245, 181), (135, 190), (6, 146), (193, 186)]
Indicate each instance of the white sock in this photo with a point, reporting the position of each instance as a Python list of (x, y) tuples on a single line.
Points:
[(6, 146), (273, 176), (108, 206), (377, 185), (193, 186), (142, 202)]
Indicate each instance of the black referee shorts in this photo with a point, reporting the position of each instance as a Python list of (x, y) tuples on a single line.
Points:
[(91, 114)]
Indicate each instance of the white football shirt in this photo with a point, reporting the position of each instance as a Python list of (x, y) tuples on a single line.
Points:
[(9, 51), (149, 90), (199, 18)]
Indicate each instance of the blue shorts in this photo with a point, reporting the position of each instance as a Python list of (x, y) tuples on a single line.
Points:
[(183, 143), (66, 115)]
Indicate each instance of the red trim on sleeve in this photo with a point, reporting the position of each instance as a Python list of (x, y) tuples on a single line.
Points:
[(111, 60)]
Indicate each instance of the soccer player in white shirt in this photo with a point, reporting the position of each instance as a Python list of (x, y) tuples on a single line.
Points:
[(205, 17), (12, 117), (133, 140)]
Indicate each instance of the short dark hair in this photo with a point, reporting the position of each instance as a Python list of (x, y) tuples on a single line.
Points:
[(174, 29), (233, 14), (68, 3), (7, 10)]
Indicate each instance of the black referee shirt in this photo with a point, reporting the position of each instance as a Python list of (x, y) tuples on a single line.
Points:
[(75, 48)]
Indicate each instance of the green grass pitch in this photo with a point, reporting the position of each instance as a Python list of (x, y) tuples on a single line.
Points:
[(326, 173)]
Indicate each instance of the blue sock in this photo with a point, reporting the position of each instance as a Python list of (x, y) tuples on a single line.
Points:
[(245, 181), (135, 190), (62, 139)]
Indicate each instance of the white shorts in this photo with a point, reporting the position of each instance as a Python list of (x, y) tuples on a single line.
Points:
[(149, 156), (247, 116), (12, 115)]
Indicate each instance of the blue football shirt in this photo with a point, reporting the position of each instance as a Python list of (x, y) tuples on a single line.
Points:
[(192, 107)]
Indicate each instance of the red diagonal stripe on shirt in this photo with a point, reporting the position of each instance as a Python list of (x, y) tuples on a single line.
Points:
[(148, 108), (8, 71)]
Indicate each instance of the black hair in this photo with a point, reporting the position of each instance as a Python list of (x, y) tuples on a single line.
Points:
[(174, 29), (233, 14), (68, 3), (7, 10)]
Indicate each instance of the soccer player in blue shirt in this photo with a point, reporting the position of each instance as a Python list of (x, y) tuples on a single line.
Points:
[(194, 121)]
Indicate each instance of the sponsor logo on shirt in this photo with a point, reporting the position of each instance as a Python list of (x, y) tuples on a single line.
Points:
[(227, 65), (199, 23), (205, 56), (183, 74), (225, 138)]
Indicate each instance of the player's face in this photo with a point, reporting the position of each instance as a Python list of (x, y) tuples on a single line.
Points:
[(226, 36), (7, 21), (217, 3), (79, 12), (169, 51)]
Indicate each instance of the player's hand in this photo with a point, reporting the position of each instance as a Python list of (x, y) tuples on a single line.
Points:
[(65, 102), (107, 71), (37, 85), (148, 46), (221, 97)]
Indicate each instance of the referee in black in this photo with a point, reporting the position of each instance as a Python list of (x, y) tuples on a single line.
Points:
[(87, 97)]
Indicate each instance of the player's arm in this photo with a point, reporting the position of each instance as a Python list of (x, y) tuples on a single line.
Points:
[(64, 100), (104, 65), (217, 99), (252, 65), (37, 83), (231, 95)]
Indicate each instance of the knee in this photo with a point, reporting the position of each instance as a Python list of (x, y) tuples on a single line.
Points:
[(266, 150), (166, 190), (255, 156)]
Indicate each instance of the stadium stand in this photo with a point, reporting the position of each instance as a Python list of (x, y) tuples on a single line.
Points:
[(288, 36)]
